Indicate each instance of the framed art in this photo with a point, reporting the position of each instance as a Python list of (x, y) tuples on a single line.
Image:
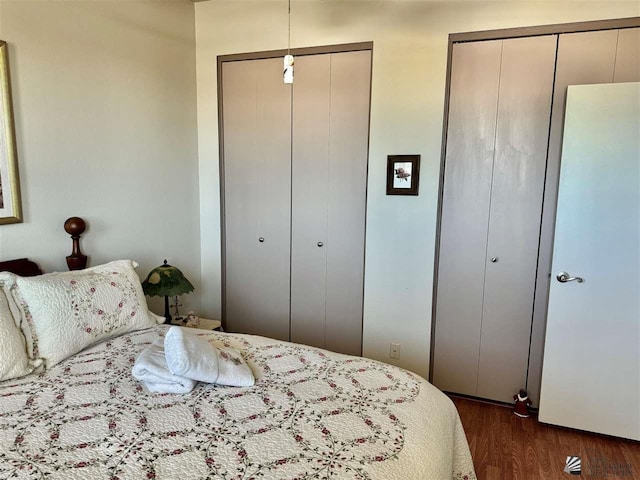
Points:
[(403, 174), (10, 205)]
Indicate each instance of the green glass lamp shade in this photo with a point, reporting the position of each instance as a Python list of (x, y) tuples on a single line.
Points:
[(166, 281)]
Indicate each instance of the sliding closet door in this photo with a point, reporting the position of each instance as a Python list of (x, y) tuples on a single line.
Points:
[(329, 175), (346, 202), (257, 178), (627, 56), (524, 107), (499, 110), (310, 182), (473, 101)]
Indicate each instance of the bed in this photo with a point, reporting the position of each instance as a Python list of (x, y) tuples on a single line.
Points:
[(311, 414)]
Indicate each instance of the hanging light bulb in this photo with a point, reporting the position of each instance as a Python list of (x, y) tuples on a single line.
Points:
[(288, 68), (287, 74)]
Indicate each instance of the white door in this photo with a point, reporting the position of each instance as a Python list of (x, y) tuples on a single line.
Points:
[(591, 370)]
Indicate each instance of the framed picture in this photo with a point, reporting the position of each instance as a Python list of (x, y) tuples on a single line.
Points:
[(10, 205), (403, 174)]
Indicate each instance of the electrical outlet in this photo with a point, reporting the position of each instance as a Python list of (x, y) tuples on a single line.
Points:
[(394, 351)]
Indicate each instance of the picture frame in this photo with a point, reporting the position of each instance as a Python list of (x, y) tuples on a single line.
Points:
[(10, 201), (403, 174)]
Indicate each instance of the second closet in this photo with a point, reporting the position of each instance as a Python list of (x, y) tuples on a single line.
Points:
[(506, 108), (499, 110)]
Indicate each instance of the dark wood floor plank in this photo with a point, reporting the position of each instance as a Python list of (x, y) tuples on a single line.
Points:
[(507, 447), (631, 454), (548, 466), (519, 470), (532, 458)]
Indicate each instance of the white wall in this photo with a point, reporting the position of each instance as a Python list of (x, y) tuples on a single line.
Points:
[(105, 110), (409, 65)]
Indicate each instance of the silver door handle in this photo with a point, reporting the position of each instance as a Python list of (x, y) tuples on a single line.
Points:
[(261, 239), (564, 277), (320, 244)]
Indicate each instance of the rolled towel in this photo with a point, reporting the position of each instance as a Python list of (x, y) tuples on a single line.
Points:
[(151, 368), (233, 370), (190, 356)]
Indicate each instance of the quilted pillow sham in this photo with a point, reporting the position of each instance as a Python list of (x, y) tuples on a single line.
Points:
[(60, 314), (14, 361)]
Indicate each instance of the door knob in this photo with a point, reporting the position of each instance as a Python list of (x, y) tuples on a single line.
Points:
[(494, 259), (320, 244), (564, 277), (261, 239)]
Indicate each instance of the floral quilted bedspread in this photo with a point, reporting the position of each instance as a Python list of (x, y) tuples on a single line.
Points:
[(312, 414)]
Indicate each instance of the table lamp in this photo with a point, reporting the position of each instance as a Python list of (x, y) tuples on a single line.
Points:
[(166, 280)]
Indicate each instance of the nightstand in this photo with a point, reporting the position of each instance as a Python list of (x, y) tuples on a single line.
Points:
[(203, 323), (206, 324)]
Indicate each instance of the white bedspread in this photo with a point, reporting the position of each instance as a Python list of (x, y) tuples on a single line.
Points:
[(311, 414)]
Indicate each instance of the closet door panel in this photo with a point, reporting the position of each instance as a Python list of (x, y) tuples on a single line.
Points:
[(347, 189), (526, 86), (310, 177), (465, 212), (257, 143), (628, 56), (582, 58)]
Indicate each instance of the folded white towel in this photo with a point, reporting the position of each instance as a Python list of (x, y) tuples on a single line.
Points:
[(233, 370), (151, 368), (191, 356)]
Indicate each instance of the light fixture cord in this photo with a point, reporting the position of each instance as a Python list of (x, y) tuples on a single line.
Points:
[(289, 41)]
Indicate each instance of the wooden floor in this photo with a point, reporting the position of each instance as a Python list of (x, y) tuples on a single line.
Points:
[(504, 446)]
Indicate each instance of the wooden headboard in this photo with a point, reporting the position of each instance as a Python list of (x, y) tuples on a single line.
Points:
[(74, 226), (22, 266)]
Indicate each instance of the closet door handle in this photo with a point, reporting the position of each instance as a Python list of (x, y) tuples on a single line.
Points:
[(261, 239), (320, 244)]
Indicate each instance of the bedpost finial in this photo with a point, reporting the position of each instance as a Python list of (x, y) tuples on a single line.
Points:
[(75, 226)]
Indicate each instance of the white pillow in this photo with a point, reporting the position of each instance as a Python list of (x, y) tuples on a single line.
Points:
[(63, 313), (14, 361)]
